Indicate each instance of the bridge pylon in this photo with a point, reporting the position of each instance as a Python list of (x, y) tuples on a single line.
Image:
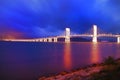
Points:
[(94, 34), (67, 35), (118, 39)]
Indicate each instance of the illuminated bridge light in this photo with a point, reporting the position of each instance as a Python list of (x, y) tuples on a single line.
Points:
[(95, 33), (118, 39), (67, 36)]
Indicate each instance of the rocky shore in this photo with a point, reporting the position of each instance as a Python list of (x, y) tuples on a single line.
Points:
[(101, 71)]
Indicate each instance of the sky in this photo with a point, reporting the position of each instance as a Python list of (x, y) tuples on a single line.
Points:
[(38, 18)]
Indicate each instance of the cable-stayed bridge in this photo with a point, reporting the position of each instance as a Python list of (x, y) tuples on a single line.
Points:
[(68, 35)]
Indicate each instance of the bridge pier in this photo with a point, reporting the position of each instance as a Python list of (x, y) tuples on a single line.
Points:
[(41, 40), (94, 34), (36, 40), (118, 39), (45, 40), (49, 39), (67, 35), (55, 39)]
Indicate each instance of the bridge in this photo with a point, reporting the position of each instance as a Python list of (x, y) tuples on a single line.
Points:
[(68, 35)]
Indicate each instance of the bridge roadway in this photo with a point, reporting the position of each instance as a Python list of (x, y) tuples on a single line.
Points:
[(88, 35), (67, 37), (54, 39)]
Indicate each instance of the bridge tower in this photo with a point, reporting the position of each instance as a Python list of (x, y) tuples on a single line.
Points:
[(94, 34), (118, 39), (67, 35)]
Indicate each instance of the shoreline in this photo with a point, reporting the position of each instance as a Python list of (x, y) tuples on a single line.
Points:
[(83, 73)]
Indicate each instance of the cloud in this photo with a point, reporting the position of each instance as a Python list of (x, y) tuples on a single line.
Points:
[(50, 17), (47, 31)]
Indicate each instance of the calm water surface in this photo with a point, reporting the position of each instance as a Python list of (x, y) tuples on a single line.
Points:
[(29, 61)]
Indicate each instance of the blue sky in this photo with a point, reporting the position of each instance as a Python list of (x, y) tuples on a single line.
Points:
[(36, 18)]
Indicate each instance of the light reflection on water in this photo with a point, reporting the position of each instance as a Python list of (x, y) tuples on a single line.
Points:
[(95, 53), (67, 56), (118, 51), (28, 61)]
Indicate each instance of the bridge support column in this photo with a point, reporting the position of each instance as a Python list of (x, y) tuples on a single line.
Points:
[(41, 40), (118, 39), (36, 40), (45, 40), (94, 34), (49, 39), (55, 39), (67, 35)]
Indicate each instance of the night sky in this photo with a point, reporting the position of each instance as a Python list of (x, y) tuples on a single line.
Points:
[(37, 18)]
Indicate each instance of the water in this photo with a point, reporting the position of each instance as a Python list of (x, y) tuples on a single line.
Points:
[(29, 61)]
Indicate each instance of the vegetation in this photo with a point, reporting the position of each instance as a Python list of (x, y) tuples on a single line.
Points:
[(110, 70), (109, 61)]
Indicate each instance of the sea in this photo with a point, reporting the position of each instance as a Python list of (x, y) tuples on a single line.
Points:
[(32, 60)]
